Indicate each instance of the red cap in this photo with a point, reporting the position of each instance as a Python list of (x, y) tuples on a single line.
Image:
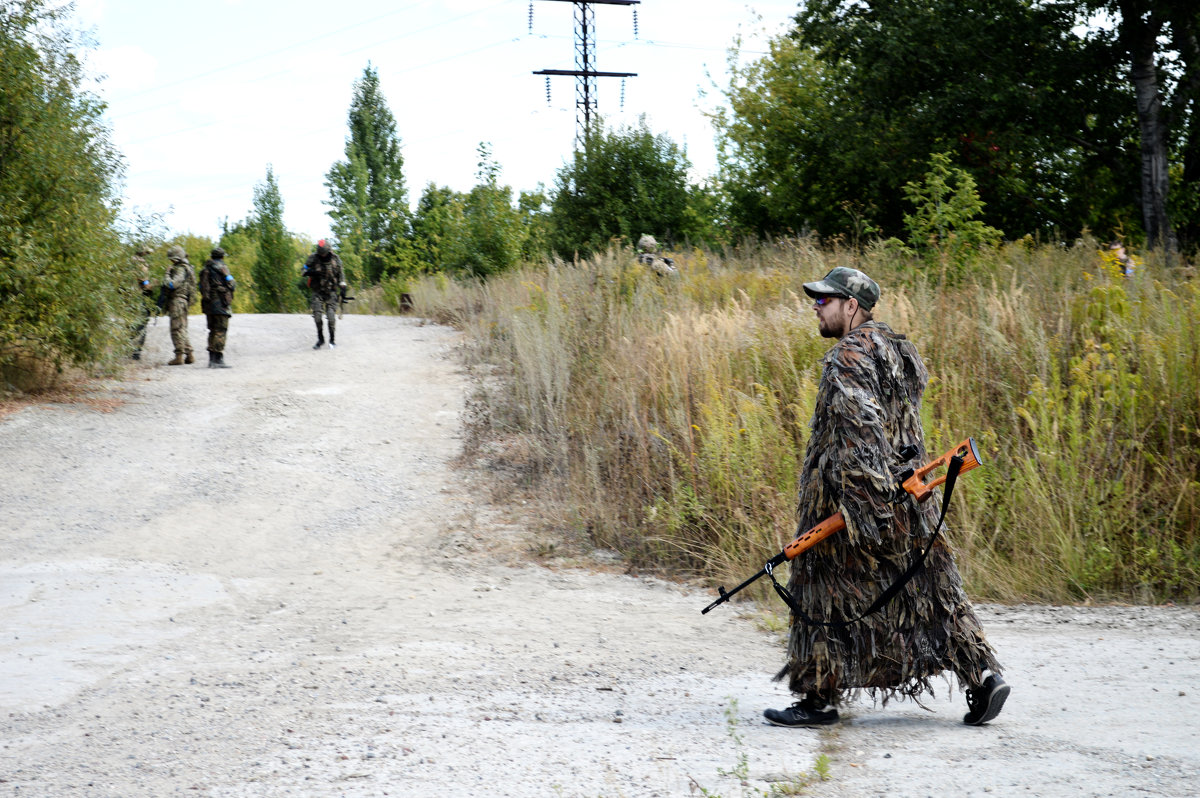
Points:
[(321, 243)]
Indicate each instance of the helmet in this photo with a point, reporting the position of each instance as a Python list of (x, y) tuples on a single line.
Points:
[(176, 253), (218, 253), (323, 248), (647, 244)]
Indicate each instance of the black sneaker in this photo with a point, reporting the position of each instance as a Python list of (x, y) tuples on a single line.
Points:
[(985, 702), (801, 715)]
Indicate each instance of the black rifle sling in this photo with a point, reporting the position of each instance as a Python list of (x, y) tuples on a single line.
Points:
[(886, 596)]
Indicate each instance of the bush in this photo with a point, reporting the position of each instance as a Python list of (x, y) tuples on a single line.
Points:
[(66, 285)]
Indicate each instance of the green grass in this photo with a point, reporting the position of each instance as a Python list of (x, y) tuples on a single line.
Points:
[(669, 415)]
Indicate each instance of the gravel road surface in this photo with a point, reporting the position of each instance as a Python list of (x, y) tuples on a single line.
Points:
[(272, 580)]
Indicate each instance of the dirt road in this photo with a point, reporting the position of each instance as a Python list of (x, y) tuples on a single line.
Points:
[(270, 580)]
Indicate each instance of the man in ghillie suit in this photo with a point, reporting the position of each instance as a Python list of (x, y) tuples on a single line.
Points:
[(326, 282), (868, 409), (648, 254), (216, 300), (180, 282)]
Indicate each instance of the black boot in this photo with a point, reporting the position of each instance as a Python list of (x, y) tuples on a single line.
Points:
[(331, 343), (814, 709), (320, 336), (216, 360)]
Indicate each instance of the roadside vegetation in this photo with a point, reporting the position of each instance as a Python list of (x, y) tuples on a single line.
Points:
[(668, 416)]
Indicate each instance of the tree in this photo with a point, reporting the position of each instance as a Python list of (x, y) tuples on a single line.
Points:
[(66, 285), (1160, 42), (838, 119), (623, 183), (944, 227), (240, 242), (481, 232), (440, 229), (367, 197), (534, 207), (495, 229), (784, 164), (273, 271)]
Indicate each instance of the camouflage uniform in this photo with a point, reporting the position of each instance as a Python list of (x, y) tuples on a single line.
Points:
[(647, 249), (181, 286), (216, 301), (142, 269), (326, 280), (868, 407)]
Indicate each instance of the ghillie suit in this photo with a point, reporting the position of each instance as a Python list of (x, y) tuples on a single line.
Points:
[(648, 254), (868, 408)]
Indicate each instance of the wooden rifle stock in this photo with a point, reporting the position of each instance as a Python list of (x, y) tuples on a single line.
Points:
[(913, 482)]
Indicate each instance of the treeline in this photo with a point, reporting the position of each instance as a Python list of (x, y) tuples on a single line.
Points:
[(1033, 121)]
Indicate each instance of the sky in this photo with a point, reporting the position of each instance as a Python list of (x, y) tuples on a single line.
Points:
[(203, 96)]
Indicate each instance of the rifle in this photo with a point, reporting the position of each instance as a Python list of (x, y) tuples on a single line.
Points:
[(164, 297), (961, 458), (342, 300)]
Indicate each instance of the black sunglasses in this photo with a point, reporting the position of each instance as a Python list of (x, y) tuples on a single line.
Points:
[(822, 301)]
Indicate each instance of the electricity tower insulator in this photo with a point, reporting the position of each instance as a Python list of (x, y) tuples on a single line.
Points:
[(585, 71)]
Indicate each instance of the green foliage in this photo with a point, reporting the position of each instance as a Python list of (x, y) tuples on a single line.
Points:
[(66, 284), (240, 243), (786, 160), (534, 207), (368, 200), (624, 183), (482, 232), (274, 273), (943, 228), (494, 228), (440, 229), (826, 128)]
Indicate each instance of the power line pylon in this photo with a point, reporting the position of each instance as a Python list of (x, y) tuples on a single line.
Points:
[(585, 56)]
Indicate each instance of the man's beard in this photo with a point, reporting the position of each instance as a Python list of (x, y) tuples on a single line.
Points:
[(827, 331)]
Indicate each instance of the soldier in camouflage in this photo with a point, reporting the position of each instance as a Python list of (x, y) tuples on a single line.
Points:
[(326, 282), (145, 290), (216, 301), (180, 282), (648, 254), (868, 409)]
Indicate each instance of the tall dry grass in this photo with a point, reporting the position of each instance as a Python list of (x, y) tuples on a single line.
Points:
[(671, 414)]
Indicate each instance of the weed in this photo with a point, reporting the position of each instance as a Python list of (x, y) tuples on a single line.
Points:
[(671, 417)]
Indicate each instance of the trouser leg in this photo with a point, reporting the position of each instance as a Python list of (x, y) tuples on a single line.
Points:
[(139, 333), (218, 327), (331, 320)]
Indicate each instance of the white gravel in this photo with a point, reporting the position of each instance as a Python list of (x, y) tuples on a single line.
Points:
[(271, 580)]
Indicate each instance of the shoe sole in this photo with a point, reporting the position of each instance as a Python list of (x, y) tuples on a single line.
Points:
[(995, 704), (809, 725)]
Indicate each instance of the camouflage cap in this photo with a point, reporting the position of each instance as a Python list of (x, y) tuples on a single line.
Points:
[(847, 282), (177, 253), (217, 253)]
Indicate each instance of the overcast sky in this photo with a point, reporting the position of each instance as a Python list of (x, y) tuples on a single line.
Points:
[(203, 95)]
